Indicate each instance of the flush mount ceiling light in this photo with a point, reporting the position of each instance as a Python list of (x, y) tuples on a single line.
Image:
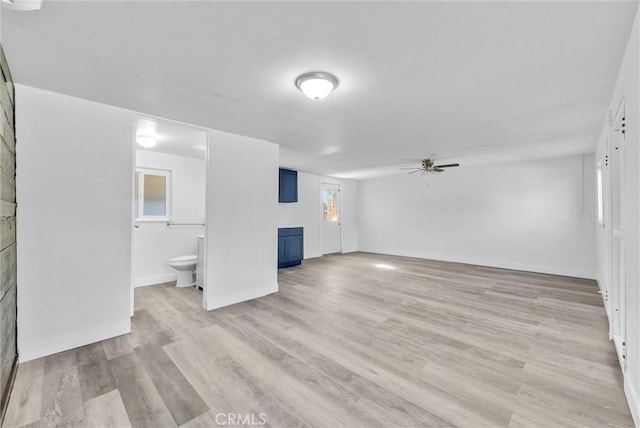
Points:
[(146, 140), (317, 84), (22, 4)]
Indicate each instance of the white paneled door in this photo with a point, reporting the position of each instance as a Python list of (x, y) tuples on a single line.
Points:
[(618, 259), (331, 218)]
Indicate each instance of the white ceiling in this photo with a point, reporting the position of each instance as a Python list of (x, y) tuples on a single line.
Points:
[(172, 137), (469, 81)]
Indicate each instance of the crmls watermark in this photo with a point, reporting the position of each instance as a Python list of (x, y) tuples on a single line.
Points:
[(241, 419)]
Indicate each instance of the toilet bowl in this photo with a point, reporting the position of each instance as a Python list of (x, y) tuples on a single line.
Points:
[(185, 265)]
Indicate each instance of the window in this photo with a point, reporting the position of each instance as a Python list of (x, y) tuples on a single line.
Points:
[(330, 204), (152, 195), (600, 194)]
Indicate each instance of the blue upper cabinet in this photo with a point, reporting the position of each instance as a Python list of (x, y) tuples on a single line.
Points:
[(288, 188)]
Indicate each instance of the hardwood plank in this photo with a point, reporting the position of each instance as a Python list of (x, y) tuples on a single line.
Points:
[(146, 329), (106, 411), (62, 403), (282, 382), (95, 379), (397, 411), (181, 399), (302, 364), (25, 404), (117, 346), (227, 387), (142, 401)]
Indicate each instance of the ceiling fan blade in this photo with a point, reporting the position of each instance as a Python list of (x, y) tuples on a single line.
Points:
[(436, 169), (417, 170), (410, 168), (448, 165)]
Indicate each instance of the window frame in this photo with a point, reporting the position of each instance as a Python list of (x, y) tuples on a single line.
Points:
[(168, 175)]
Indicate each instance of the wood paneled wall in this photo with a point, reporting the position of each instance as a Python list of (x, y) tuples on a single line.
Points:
[(8, 351)]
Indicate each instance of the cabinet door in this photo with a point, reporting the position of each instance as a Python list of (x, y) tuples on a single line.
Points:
[(288, 186), (294, 248), (282, 250)]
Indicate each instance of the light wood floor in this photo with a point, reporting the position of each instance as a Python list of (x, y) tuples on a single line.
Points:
[(357, 340)]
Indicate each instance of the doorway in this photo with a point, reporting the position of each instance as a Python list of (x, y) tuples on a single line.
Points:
[(331, 218), (169, 206)]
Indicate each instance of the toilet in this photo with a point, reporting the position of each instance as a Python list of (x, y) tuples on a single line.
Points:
[(185, 265)]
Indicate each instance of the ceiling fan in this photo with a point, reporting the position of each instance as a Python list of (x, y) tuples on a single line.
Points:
[(428, 166)]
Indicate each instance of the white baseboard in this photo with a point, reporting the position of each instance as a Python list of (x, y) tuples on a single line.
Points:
[(632, 401), (312, 256), (53, 346), (152, 280), (603, 294), (490, 263), (243, 296)]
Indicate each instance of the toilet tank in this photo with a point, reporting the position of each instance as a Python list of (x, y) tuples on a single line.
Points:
[(200, 265)]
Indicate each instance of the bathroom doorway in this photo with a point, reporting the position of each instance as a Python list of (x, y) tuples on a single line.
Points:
[(169, 206)]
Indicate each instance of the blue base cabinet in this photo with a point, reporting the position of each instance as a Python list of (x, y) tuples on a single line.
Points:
[(288, 186), (290, 246)]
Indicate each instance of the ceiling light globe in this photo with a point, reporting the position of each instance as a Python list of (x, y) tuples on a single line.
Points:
[(317, 85), (146, 141)]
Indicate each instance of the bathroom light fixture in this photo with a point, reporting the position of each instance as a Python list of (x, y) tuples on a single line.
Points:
[(146, 140), (317, 84), (199, 147)]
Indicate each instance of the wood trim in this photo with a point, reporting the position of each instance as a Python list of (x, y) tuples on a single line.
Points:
[(4, 66), (8, 338), (6, 394)]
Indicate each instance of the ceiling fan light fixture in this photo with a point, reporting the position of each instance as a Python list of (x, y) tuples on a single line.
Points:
[(317, 84)]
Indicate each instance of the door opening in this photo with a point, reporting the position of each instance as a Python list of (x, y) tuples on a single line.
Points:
[(169, 207)]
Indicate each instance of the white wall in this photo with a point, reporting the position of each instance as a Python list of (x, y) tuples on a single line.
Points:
[(242, 219), (627, 86), (155, 242), (307, 212), (527, 216), (74, 189)]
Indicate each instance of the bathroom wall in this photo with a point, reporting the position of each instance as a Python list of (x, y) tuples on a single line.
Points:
[(155, 242)]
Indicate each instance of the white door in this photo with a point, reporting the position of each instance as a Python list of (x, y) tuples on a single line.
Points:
[(618, 254), (331, 218)]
